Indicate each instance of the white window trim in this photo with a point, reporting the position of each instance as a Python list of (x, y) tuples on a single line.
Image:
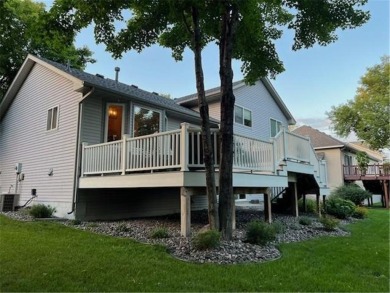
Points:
[(106, 119), (133, 105), (58, 116), (243, 109), (270, 127)]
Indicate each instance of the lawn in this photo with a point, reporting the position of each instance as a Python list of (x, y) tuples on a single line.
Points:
[(47, 256)]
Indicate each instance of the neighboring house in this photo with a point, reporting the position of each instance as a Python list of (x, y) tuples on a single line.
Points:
[(342, 164), (95, 148)]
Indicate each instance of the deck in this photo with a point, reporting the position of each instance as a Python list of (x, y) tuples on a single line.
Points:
[(373, 172), (175, 159)]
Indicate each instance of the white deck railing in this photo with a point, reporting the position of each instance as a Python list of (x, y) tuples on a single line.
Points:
[(182, 149)]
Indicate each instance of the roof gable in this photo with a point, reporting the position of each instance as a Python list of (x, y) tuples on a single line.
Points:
[(214, 94)]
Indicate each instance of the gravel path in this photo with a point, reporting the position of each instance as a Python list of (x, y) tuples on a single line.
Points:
[(229, 252)]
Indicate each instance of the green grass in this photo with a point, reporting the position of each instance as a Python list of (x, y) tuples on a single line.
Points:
[(46, 256)]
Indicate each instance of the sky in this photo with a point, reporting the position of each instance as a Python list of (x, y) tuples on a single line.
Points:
[(314, 79)]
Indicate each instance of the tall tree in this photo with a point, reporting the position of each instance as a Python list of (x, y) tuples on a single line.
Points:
[(243, 30), (368, 115), (26, 27)]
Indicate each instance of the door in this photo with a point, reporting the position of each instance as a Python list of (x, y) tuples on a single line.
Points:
[(114, 122)]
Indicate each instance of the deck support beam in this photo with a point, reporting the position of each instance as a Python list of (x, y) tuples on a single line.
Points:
[(295, 200), (267, 207), (185, 212), (318, 204)]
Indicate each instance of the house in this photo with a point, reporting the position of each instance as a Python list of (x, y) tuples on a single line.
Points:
[(342, 163), (96, 148)]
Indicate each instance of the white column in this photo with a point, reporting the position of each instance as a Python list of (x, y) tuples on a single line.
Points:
[(185, 212), (124, 153), (184, 147)]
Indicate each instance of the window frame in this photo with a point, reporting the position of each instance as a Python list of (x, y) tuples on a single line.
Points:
[(123, 105), (51, 118), (278, 122), (244, 109), (134, 105)]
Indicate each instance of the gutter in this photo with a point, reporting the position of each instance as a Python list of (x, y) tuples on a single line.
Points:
[(78, 154)]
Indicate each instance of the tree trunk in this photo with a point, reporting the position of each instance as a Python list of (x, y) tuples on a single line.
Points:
[(226, 197), (208, 155)]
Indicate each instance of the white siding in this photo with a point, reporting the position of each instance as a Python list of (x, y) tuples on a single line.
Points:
[(24, 139), (257, 99), (92, 121)]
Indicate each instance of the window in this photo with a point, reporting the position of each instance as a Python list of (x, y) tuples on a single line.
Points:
[(52, 118), (242, 116), (276, 127), (146, 121), (114, 122)]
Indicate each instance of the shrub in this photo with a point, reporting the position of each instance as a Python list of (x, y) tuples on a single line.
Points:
[(159, 233), (338, 207), (207, 240), (122, 228), (278, 226), (259, 232), (311, 206), (306, 221), (351, 192), (360, 212), (42, 211), (329, 223)]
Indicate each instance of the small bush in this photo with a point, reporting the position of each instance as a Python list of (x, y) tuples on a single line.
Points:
[(159, 233), (295, 226), (360, 213), (75, 222), (329, 223), (338, 207), (122, 228), (260, 232), (42, 211), (207, 240), (306, 221), (311, 206), (278, 226), (351, 192)]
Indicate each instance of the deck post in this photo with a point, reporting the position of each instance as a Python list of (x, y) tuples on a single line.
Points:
[(318, 204), (124, 153), (185, 212), (267, 207), (184, 146), (285, 144), (83, 145), (295, 201), (386, 187)]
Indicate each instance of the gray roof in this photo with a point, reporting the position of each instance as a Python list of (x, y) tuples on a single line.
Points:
[(319, 139), (123, 89)]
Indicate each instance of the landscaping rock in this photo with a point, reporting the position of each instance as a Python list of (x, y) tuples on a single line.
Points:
[(229, 252)]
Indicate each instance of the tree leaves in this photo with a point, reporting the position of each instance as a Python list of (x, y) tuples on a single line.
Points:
[(368, 115)]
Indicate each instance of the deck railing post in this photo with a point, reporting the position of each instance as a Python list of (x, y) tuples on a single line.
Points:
[(274, 155), (184, 146), (124, 153), (285, 141), (83, 145)]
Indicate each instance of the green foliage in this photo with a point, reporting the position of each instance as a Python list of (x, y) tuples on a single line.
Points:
[(363, 161), (258, 232), (42, 211), (360, 213), (278, 226), (26, 27), (306, 221), (311, 206), (122, 228), (159, 233), (368, 114), (329, 223), (351, 192), (338, 207), (207, 240)]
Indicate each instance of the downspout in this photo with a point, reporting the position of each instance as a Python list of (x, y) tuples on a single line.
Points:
[(78, 153)]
